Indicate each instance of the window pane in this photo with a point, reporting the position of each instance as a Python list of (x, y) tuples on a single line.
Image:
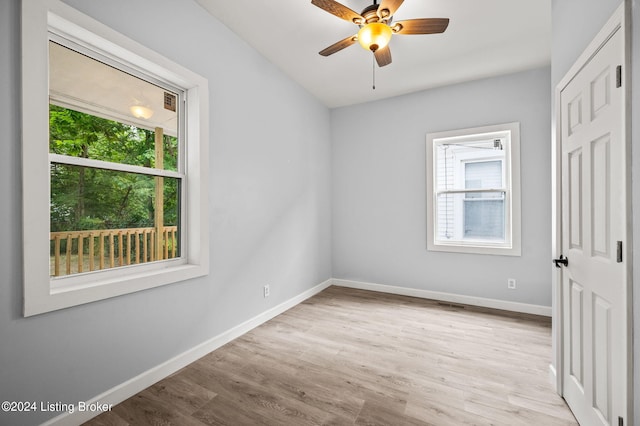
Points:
[(484, 218), (103, 219), (471, 217), (483, 174), (102, 113), (483, 158)]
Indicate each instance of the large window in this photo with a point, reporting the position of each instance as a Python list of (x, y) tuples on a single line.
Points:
[(115, 163), (116, 172), (473, 190)]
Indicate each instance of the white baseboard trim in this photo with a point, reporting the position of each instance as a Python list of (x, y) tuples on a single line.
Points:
[(553, 377), (136, 384), (448, 297)]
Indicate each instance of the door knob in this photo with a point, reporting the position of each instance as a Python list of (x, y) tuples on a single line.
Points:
[(561, 261)]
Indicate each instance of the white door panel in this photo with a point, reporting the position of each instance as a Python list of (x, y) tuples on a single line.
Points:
[(593, 221)]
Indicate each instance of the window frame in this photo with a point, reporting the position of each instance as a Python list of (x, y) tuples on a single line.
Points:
[(40, 20), (510, 188)]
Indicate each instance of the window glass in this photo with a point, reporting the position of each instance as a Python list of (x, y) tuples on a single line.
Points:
[(102, 219), (484, 217), (102, 216), (471, 215), (484, 211), (482, 174), (102, 113)]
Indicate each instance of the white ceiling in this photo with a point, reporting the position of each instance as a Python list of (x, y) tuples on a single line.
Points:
[(484, 38)]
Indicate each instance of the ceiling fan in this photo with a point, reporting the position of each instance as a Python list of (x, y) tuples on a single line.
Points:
[(376, 27)]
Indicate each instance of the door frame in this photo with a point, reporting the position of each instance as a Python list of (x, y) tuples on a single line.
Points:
[(618, 21)]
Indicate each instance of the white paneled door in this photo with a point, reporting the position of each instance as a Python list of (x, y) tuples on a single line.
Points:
[(594, 232)]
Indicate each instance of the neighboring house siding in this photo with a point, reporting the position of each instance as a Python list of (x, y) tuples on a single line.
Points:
[(445, 178)]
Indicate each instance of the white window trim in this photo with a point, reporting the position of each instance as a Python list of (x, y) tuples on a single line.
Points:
[(38, 18), (512, 197)]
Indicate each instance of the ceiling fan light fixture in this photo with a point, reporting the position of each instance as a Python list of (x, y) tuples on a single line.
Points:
[(374, 36)]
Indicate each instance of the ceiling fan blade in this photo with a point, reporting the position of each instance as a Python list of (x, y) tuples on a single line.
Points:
[(336, 47), (388, 7), (383, 56), (339, 10), (421, 26)]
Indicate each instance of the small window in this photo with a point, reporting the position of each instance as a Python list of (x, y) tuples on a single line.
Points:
[(114, 163), (473, 190)]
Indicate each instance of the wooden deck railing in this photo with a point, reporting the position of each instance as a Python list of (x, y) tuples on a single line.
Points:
[(82, 251)]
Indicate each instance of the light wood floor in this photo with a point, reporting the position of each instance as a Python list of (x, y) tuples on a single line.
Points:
[(348, 357)]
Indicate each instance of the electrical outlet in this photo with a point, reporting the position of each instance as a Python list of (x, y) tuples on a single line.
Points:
[(511, 283), (265, 290)]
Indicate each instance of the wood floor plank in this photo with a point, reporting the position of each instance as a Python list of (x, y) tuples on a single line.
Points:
[(354, 357), (108, 418), (143, 409), (442, 414), (185, 395), (383, 413)]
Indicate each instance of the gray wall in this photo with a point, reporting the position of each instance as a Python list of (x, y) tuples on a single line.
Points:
[(379, 208), (574, 24), (269, 201)]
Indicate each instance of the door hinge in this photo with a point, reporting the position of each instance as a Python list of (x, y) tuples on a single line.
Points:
[(619, 76), (619, 252)]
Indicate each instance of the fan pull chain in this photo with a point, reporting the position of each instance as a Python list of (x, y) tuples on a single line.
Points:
[(373, 63)]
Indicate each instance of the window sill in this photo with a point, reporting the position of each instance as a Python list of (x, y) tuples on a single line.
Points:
[(106, 287), (474, 248)]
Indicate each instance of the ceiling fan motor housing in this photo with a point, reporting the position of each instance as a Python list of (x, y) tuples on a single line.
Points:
[(370, 14)]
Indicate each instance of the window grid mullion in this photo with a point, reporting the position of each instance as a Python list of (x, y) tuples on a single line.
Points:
[(474, 190), (106, 165)]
